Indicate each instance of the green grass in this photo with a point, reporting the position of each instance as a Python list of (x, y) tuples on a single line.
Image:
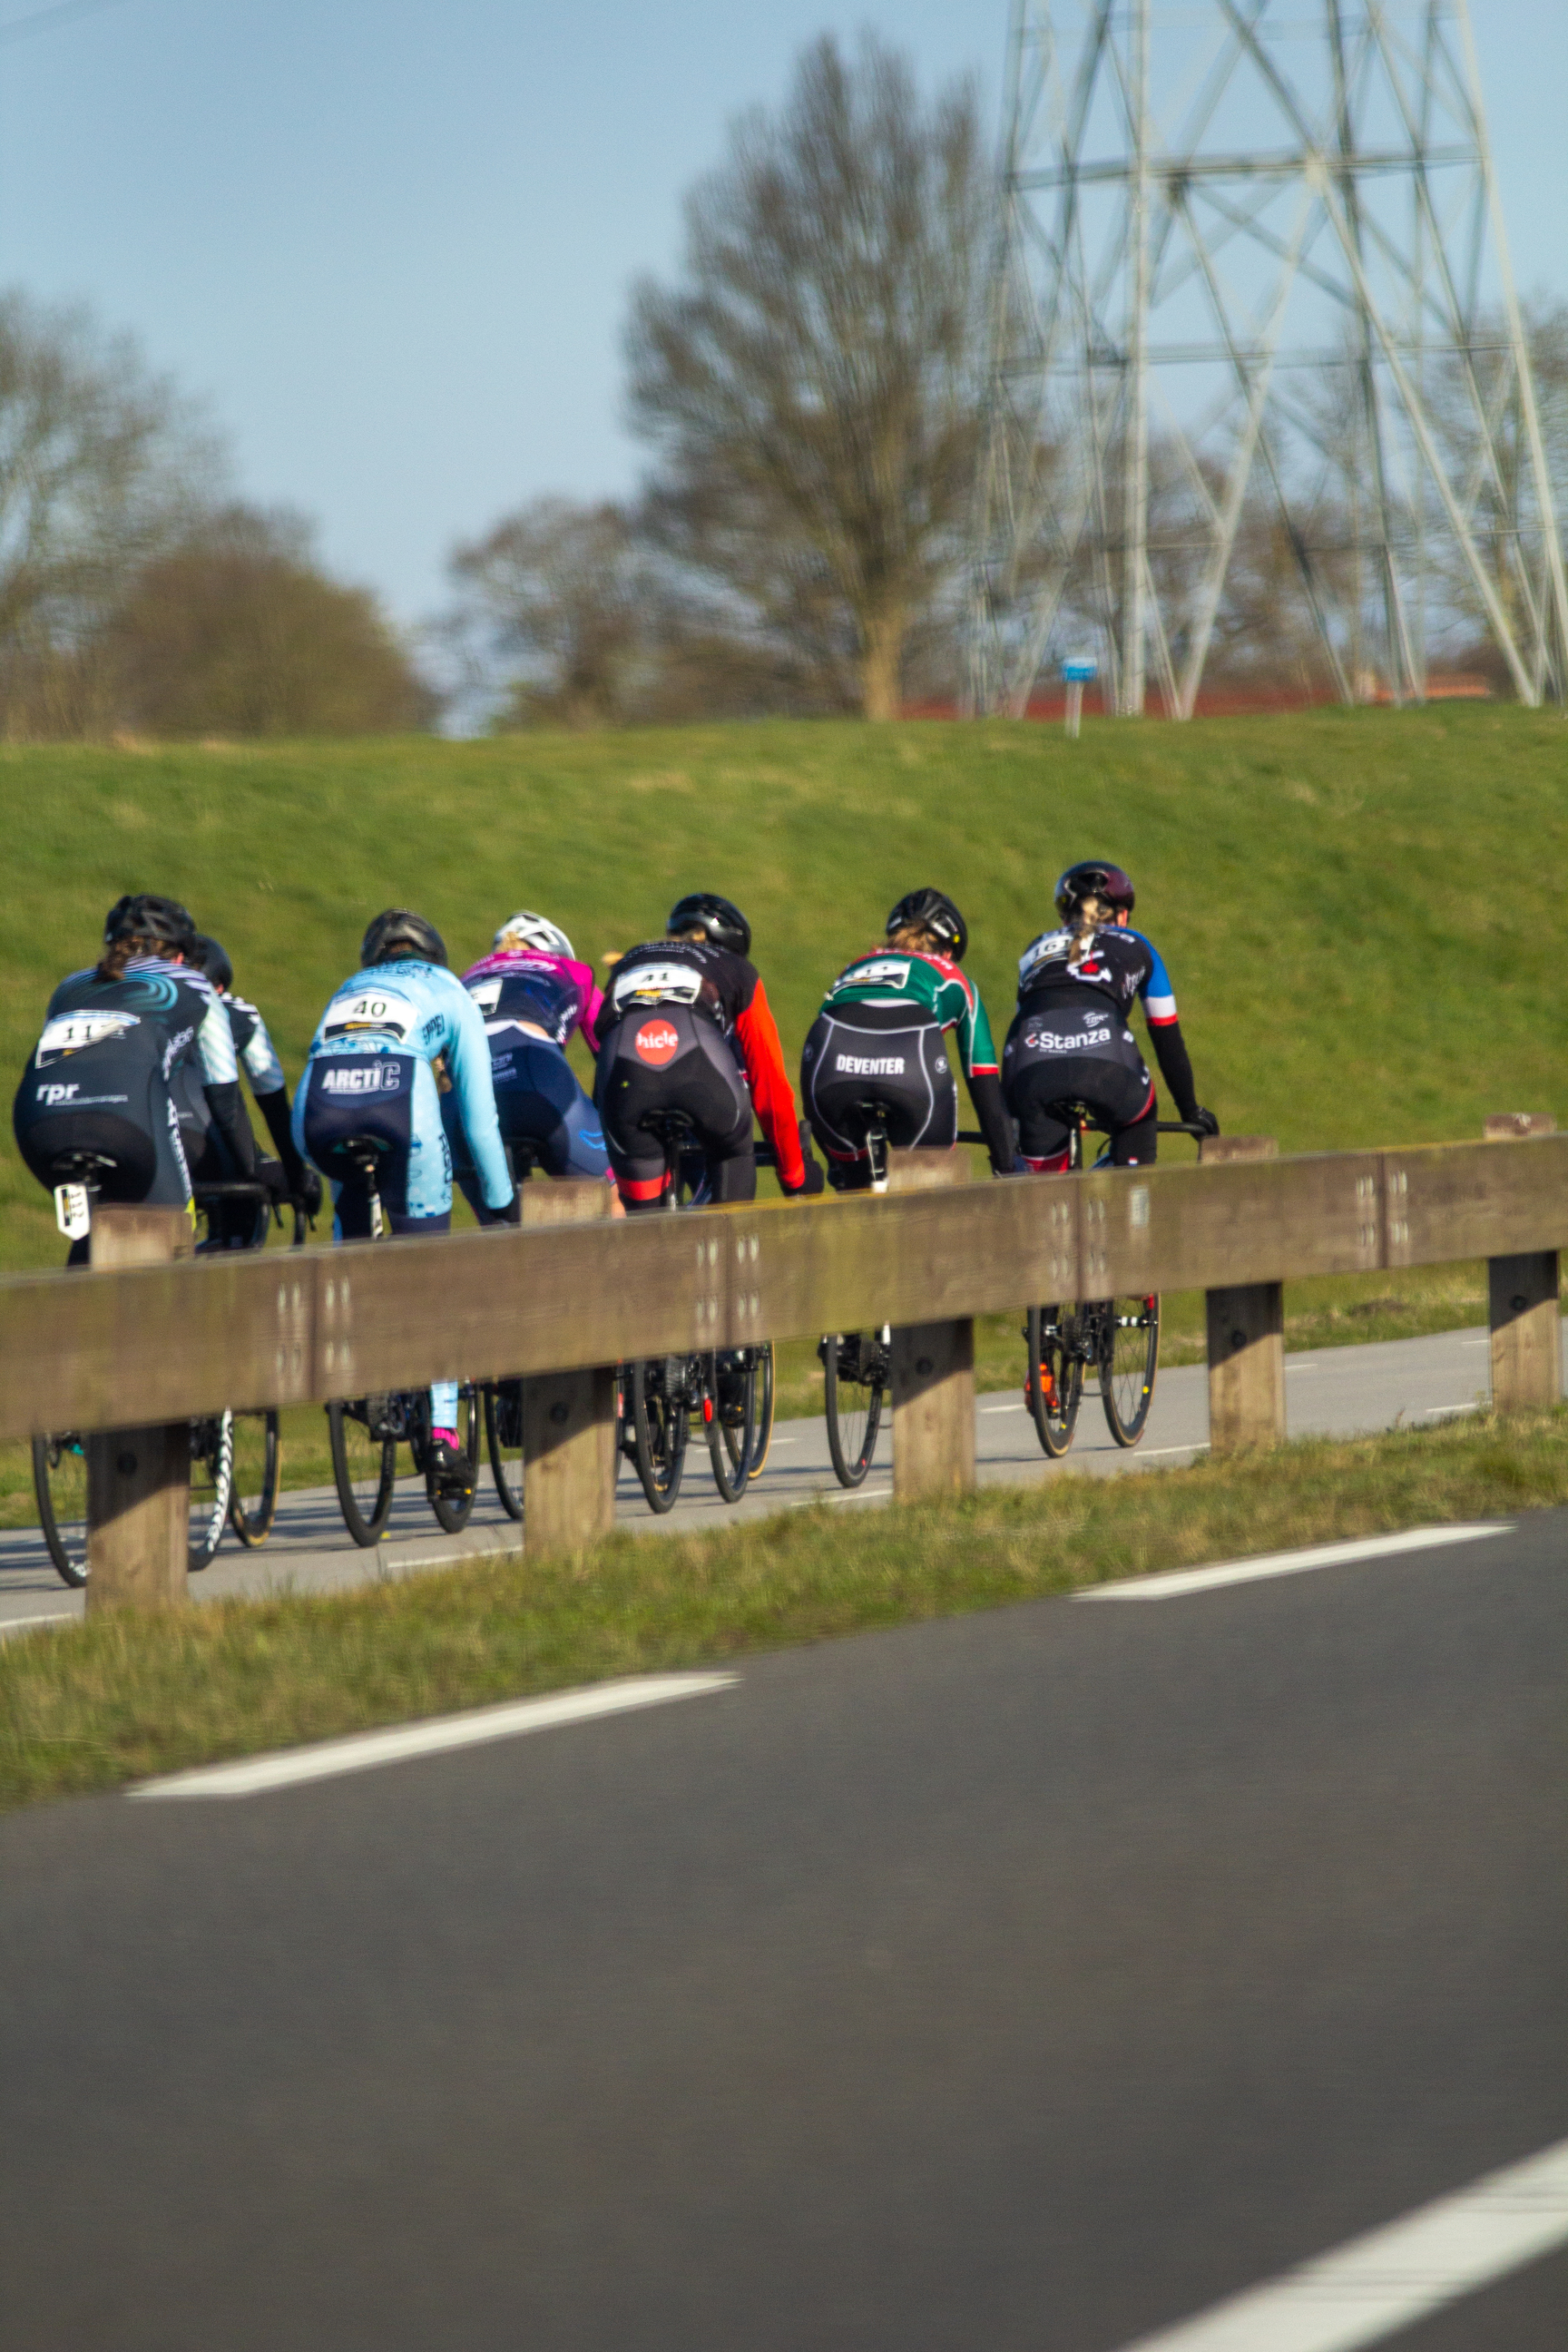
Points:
[(1360, 909), (120, 1697)]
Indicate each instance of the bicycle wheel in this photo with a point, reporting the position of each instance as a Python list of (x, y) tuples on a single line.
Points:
[(763, 1433), (659, 1428), (503, 1438), (258, 1466), (212, 1484), (453, 1511), (729, 1411), (1128, 1359), (1053, 1382), (855, 1367), (59, 1481), (364, 1464)]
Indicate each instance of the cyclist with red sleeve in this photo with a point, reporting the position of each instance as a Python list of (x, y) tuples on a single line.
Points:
[(687, 1027)]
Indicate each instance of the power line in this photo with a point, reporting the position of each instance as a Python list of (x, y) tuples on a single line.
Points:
[(64, 12)]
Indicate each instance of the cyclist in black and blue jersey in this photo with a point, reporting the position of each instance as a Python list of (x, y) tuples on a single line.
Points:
[(1070, 1042), (125, 1046), (231, 1226), (534, 996)]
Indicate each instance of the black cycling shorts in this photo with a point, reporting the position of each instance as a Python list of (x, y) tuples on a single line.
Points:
[(545, 1117), (354, 1096), (673, 1059), (1073, 1055), (134, 1124), (886, 1055)]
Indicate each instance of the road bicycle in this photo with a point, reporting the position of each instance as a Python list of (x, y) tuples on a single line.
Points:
[(234, 1458), (366, 1431), (1115, 1340), (728, 1390), (258, 1450)]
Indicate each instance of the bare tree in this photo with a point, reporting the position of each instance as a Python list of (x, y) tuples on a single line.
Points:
[(103, 464), (810, 386)]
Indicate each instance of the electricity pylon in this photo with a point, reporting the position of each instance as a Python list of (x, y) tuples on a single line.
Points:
[(1251, 272)]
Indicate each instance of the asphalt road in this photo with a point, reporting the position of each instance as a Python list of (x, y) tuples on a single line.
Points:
[(1341, 1390), (1026, 1981)]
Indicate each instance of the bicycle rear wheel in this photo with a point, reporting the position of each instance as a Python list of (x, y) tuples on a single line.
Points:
[(854, 1368), (453, 1510), (258, 1466), (503, 1438), (211, 1485), (1130, 1358), (59, 1481), (364, 1464), (763, 1433), (729, 1409), (1053, 1381), (659, 1428)]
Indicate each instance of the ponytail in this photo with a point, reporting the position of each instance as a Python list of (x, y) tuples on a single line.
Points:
[(1088, 915), (112, 963)]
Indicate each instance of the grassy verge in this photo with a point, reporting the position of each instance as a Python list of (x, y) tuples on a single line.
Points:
[(86, 1707)]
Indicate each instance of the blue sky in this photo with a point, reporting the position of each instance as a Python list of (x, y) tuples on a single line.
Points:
[(392, 239)]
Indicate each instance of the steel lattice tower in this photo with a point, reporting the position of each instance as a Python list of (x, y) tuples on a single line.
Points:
[(1251, 273)]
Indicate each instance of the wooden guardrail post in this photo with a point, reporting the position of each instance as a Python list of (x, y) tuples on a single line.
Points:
[(1523, 1309), (1245, 1337), (933, 1365), (568, 1418), (138, 1480)]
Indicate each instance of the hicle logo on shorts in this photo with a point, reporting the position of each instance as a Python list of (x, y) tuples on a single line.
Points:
[(361, 1078), (867, 1065), (657, 1042)]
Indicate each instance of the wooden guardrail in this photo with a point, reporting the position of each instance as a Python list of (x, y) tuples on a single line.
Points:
[(145, 1346)]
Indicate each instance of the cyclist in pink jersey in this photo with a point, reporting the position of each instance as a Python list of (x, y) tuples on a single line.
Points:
[(534, 993)]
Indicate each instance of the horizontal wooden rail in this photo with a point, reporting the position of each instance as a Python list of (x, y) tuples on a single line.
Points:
[(97, 1350)]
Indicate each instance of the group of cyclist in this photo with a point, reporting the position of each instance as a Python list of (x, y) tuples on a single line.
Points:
[(415, 1077)]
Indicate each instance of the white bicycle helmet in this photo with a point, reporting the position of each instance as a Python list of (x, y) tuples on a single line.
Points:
[(526, 930)]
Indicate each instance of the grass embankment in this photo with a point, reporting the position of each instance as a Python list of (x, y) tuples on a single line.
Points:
[(118, 1699)]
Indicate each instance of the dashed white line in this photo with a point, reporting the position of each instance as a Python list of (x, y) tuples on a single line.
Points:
[(1381, 2283), (1171, 1583), (367, 1749)]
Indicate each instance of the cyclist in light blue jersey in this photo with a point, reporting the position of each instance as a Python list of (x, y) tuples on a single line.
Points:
[(368, 1078)]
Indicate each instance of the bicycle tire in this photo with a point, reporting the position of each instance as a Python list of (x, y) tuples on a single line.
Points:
[(363, 1471), (252, 1523), (854, 1419), (1130, 1359), (729, 1446), (762, 1442), (503, 1439), (660, 1432), (453, 1512), (1053, 1400), (212, 1487), (60, 1483)]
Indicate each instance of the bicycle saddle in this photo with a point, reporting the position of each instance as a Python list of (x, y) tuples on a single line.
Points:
[(81, 1166)]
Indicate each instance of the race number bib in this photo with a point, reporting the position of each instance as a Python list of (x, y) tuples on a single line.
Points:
[(657, 983), (387, 1017), (71, 1032)]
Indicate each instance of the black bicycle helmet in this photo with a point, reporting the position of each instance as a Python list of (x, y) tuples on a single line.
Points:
[(1093, 878), (143, 914), (398, 936), (208, 957), (718, 919), (932, 911)]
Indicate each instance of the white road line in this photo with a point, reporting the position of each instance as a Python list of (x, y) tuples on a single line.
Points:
[(367, 1749), (10, 1625), (845, 1495), (1017, 1406), (1382, 2282), (1151, 1453), (1441, 1411), (1173, 1583)]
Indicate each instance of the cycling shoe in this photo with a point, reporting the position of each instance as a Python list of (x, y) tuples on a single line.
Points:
[(450, 1468)]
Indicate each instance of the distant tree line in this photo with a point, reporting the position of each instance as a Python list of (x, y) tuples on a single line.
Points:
[(810, 389)]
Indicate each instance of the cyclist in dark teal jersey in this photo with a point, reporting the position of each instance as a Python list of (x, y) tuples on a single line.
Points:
[(881, 1040)]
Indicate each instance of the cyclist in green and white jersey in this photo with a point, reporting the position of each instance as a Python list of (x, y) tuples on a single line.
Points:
[(877, 1052)]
